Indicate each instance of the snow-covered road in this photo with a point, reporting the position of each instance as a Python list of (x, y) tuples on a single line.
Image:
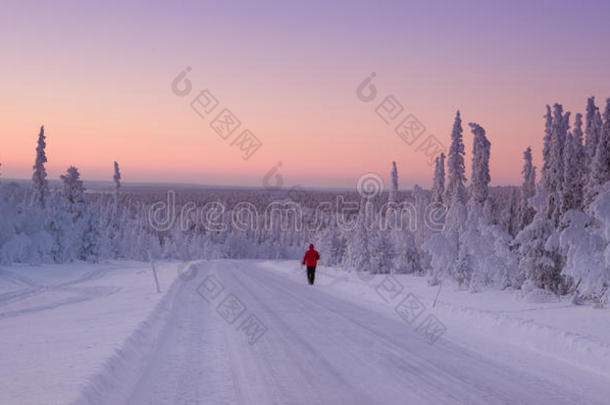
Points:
[(237, 333)]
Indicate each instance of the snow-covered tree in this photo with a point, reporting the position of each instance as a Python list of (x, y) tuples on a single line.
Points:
[(593, 129), (480, 163), (90, 246), (72, 187), (426, 223), (63, 227), (408, 260), (438, 184), (39, 178), (600, 164), (331, 242), (383, 254), (462, 268), (113, 219), (546, 149), (553, 175), (586, 240), (484, 253), (539, 262), (359, 249), (483, 257), (574, 174), (403, 248), (394, 191), (443, 249), (528, 189), (540, 259), (512, 218), (337, 246), (117, 185), (84, 234), (455, 190)]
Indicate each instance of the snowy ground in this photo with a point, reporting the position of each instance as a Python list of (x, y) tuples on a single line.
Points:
[(59, 324), (253, 332)]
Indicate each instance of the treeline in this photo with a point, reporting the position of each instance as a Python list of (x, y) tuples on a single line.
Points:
[(552, 234)]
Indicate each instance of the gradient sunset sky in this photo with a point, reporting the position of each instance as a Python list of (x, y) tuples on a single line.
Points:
[(97, 75)]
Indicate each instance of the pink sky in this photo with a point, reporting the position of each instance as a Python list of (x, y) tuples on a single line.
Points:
[(98, 76)]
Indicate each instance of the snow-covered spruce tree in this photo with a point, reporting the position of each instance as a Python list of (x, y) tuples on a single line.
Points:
[(455, 192), (72, 187), (322, 236), (394, 191), (480, 164), (456, 215), (383, 254), (83, 234), (391, 213), (586, 240), (408, 259), (115, 222), (539, 265), (539, 262), (455, 165), (117, 185), (422, 208), (438, 184), (336, 243), (528, 189), (443, 247), (404, 248), (546, 150), (593, 129), (478, 264), (358, 250), (90, 236), (600, 164), (39, 178), (511, 214), (66, 226), (462, 268), (574, 175), (553, 175), (486, 249)]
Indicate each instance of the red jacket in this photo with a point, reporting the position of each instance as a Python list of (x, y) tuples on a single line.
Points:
[(311, 257)]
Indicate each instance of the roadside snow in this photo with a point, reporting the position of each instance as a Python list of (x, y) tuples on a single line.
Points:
[(61, 323)]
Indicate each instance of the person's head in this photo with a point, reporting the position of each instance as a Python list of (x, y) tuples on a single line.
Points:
[(311, 246)]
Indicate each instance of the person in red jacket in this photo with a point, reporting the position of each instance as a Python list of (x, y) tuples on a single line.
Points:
[(311, 260)]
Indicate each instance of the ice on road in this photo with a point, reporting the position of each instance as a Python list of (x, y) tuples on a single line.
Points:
[(316, 349)]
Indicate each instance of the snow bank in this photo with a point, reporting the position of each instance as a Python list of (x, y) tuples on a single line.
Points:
[(123, 364), (63, 324)]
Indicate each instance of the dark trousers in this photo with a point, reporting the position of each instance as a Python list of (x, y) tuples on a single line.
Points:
[(311, 273)]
